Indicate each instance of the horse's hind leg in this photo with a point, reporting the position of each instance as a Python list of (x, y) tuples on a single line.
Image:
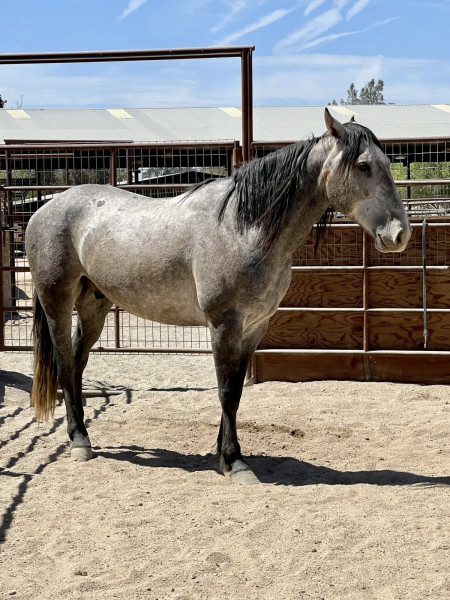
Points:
[(92, 309), (57, 301), (71, 353)]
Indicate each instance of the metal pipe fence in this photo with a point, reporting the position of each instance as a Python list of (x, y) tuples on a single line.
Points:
[(32, 174)]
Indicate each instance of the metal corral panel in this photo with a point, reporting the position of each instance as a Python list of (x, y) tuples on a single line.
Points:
[(353, 313)]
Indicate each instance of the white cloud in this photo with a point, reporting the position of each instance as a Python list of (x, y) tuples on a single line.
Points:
[(264, 21), (311, 30), (356, 8), (339, 4), (234, 10), (335, 36), (312, 6), (132, 6)]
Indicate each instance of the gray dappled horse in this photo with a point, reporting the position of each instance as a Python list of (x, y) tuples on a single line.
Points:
[(218, 255)]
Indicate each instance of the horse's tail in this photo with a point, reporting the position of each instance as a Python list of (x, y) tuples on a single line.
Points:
[(45, 384)]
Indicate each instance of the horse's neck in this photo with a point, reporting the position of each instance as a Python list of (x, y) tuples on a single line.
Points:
[(307, 207)]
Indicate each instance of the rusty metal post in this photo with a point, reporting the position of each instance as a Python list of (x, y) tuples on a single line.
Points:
[(249, 103), (247, 99)]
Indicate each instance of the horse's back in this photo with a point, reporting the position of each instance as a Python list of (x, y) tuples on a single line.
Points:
[(170, 260), (136, 250)]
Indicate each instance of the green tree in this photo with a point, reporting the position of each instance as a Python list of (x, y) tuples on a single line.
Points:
[(2, 102), (371, 93), (352, 95)]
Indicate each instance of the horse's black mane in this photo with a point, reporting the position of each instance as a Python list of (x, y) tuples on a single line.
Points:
[(265, 187)]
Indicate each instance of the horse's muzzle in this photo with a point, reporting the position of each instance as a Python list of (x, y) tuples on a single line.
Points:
[(393, 237)]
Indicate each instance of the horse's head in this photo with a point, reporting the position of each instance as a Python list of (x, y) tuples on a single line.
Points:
[(358, 183)]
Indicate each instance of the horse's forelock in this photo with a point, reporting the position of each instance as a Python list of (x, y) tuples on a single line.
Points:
[(355, 135)]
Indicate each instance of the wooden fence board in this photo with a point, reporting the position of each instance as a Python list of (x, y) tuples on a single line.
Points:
[(310, 289), (314, 329), (405, 331), (304, 367), (404, 289), (420, 367)]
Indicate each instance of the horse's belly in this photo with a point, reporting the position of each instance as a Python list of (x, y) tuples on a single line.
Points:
[(169, 313), (171, 304)]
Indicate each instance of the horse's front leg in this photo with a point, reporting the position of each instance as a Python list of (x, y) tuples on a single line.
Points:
[(231, 358)]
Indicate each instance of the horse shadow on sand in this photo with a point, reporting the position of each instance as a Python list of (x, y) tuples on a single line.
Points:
[(278, 470), (13, 379)]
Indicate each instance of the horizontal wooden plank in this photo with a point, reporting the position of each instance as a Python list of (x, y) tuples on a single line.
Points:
[(313, 367), (416, 368), (420, 367), (401, 289), (342, 289), (314, 329), (400, 331), (404, 289)]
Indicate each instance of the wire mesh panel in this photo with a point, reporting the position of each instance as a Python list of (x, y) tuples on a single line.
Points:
[(340, 245)]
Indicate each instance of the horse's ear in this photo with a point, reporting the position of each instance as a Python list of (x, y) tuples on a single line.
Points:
[(335, 128), (353, 120)]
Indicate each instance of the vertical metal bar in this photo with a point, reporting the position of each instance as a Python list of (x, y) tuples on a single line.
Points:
[(2, 241), (113, 167), (245, 103), (236, 157), (366, 358), (424, 283), (116, 327), (9, 214), (129, 168), (250, 103), (67, 171)]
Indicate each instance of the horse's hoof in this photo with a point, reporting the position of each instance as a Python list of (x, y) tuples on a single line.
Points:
[(81, 453), (241, 474)]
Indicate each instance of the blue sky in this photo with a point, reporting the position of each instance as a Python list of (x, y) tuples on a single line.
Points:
[(307, 52)]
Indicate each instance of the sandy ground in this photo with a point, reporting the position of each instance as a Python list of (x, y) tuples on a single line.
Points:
[(354, 502)]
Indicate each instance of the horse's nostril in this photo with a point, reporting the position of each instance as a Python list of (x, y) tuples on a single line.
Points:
[(399, 238)]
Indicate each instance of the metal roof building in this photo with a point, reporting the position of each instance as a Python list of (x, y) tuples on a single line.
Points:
[(270, 123)]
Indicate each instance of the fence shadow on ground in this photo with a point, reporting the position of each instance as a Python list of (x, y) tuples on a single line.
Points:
[(12, 467)]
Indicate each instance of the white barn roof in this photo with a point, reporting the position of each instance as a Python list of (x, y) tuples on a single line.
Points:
[(270, 124)]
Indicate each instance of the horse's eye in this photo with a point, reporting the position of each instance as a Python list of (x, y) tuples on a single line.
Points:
[(362, 166)]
